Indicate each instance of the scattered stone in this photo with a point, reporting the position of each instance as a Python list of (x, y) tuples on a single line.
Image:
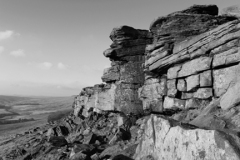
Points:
[(78, 156), (58, 141)]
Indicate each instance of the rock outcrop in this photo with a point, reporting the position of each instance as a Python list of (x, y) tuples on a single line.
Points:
[(171, 93), (123, 78)]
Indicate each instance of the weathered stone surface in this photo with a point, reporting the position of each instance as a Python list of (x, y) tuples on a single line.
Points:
[(186, 95), (117, 53), (196, 9), (124, 33), (157, 56), (232, 10), (196, 103), (172, 88), (225, 47), (203, 93), (111, 74), (152, 92), (162, 141), (202, 9), (223, 78), (153, 105), (232, 96), (199, 45), (181, 85), (151, 81), (192, 82), (105, 99), (227, 57), (58, 141), (173, 72), (132, 73), (207, 119), (127, 101), (206, 79), (195, 66), (170, 103)]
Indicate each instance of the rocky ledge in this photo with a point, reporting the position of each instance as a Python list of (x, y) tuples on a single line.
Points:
[(172, 92)]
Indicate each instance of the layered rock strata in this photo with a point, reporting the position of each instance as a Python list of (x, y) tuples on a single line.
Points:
[(190, 68), (123, 78), (184, 72)]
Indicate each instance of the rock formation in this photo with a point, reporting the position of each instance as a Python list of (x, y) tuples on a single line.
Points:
[(123, 78), (171, 93)]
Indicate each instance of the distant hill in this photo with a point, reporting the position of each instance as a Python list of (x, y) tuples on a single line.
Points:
[(13, 108), (6, 100)]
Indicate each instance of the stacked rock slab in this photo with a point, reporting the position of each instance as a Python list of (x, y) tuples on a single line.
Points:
[(123, 78), (193, 58)]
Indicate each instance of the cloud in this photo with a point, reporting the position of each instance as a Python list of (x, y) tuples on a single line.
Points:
[(6, 34), (18, 53), (45, 65), (1, 49), (62, 66)]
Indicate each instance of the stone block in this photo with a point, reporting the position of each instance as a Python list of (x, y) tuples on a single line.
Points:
[(151, 81), (223, 78), (172, 88), (132, 73), (171, 103), (206, 79), (192, 82), (225, 58), (224, 47), (173, 72), (155, 105), (196, 103), (111, 74), (105, 99), (152, 91), (195, 66), (203, 93), (186, 95), (181, 85)]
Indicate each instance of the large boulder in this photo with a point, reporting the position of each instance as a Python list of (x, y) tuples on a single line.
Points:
[(163, 140)]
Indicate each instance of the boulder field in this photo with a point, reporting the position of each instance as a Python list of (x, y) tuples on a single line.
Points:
[(171, 93)]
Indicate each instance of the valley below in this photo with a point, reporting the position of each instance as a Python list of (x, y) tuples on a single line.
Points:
[(18, 114)]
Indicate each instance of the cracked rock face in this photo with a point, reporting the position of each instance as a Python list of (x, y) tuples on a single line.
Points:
[(161, 141)]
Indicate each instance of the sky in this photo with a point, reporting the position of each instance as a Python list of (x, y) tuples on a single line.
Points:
[(55, 47)]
